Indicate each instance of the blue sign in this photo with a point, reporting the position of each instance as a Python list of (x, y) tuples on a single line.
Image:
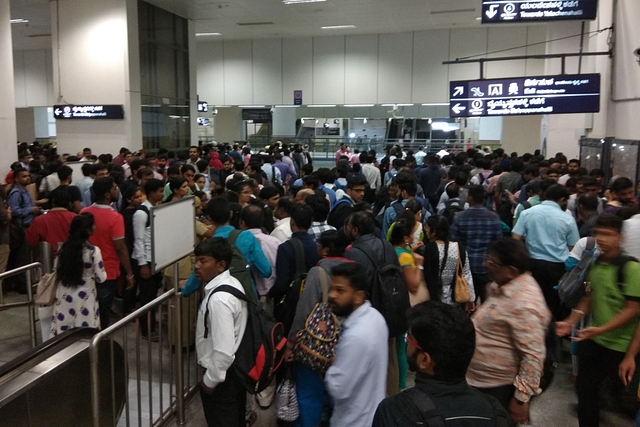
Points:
[(95, 111), (297, 97), (579, 93), (501, 11), (203, 106)]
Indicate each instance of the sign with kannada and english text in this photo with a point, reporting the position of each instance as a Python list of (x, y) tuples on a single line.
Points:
[(95, 111), (579, 93), (500, 11)]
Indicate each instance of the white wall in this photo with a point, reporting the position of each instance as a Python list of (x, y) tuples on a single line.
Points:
[(8, 133), (33, 78), (362, 69), (98, 61)]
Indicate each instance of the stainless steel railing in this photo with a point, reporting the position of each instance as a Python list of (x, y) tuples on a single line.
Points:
[(153, 362), (26, 269)]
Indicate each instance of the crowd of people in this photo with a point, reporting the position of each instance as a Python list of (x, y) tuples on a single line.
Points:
[(445, 266)]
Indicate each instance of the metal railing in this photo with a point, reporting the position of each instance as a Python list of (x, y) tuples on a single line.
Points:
[(169, 357), (29, 303)]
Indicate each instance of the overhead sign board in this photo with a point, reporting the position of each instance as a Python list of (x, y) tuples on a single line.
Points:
[(258, 115), (500, 11), (70, 112), (203, 106), (579, 93)]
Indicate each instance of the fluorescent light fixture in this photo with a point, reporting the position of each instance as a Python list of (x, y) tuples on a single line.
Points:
[(18, 21), (352, 135), (445, 126), (397, 105), (338, 27), (252, 106), (151, 105), (359, 105), (300, 1), (286, 106), (434, 104), (322, 105), (478, 18), (207, 34)]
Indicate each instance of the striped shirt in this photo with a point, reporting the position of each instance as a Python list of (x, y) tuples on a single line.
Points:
[(510, 338)]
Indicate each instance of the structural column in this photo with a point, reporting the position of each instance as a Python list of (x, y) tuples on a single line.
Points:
[(8, 133), (96, 61)]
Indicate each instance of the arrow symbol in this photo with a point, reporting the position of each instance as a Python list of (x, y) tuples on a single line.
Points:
[(493, 10), (458, 108), (57, 111), (459, 90)]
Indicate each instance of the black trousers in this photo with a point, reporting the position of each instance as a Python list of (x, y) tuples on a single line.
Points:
[(595, 364), (106, 293), (503, 393), (548, 274), (480, 282), (225, 407), (148, 292)]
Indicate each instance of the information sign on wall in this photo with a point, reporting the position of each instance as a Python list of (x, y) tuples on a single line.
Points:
[(203, 106), (67, 112), (258, 115), (500, 11), (579, 93)]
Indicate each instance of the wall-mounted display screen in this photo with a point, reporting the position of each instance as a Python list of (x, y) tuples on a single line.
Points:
[(258, 115), (578, 93), (500, 11), (67, 112)]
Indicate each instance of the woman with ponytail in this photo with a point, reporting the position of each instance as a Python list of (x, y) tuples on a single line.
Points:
[(80, 267)]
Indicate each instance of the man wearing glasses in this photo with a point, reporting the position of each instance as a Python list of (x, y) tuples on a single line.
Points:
[(441, 343)]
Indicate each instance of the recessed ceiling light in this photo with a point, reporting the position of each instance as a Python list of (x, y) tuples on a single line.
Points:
[(208, 34), (19, 21), (300, 1), (322, 105), (337, 27)]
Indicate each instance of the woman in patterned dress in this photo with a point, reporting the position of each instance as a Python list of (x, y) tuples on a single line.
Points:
[(80, 267)]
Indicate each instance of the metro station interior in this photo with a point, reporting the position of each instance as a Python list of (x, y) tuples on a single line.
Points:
[(368, 73)]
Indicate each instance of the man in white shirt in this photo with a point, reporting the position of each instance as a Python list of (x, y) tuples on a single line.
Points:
[(630, 233), (141, 253), (283, 214), (222, 319), (371, 173), (357, 379)]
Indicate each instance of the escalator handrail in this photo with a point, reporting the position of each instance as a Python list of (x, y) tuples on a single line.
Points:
[(63, 340)]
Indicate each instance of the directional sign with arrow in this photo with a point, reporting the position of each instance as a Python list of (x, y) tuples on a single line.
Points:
[(493, 11), (459, 90), (458, 108)]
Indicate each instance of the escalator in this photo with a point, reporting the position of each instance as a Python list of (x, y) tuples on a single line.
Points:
[(51, 384)]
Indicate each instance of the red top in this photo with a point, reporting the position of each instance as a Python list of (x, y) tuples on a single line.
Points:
[(109, 227), (52, 227)]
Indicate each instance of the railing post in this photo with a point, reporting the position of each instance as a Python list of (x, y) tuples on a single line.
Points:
[(178, 346), (95, 382), (31, 308)]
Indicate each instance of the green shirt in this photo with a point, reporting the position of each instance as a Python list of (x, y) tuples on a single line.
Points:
[(608, 299)]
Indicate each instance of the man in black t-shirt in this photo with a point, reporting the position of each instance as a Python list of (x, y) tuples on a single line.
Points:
[(64, 173)]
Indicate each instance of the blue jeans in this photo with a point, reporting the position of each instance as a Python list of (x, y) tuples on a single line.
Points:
[(106, 293), (311, 396)]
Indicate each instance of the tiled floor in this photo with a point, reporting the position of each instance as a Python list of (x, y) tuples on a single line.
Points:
[(554, 408)]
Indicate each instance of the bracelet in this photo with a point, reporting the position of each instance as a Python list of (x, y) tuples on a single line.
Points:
[(420, 267), (131, 277), (578, 311)]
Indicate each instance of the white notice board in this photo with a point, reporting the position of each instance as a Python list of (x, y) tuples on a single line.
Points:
[(77, 171), (173, 232)]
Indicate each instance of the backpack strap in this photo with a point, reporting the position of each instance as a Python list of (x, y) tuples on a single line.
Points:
[(324, 283), (233, 236), (620, 262), (501, 418), (370, 254), (145, 210), (398, 207), (420, 400), (301, 262), (526, 205), (230, 290), (591, 243)]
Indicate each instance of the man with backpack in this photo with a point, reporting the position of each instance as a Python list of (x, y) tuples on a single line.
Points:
[(246, 249), (375, 254), (407, 189), (613, 303), (441, 343), (141, 254), (340, 211), (294, 259), (222, 320)]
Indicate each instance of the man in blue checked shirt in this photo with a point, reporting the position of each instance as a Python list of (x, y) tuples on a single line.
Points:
[(475, 229)]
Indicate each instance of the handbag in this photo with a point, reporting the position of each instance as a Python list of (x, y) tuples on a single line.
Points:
[(460, 286), (46, 292), (315, 344), (287, 409)]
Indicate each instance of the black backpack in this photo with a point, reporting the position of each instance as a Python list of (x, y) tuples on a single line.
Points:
[(262, 346), (285, 309), (144, 209), (239, 268), (418, 401), (389, 293), (452, 209)]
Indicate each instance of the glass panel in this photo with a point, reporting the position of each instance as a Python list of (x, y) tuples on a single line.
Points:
[(591, 156), (624, 159)]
